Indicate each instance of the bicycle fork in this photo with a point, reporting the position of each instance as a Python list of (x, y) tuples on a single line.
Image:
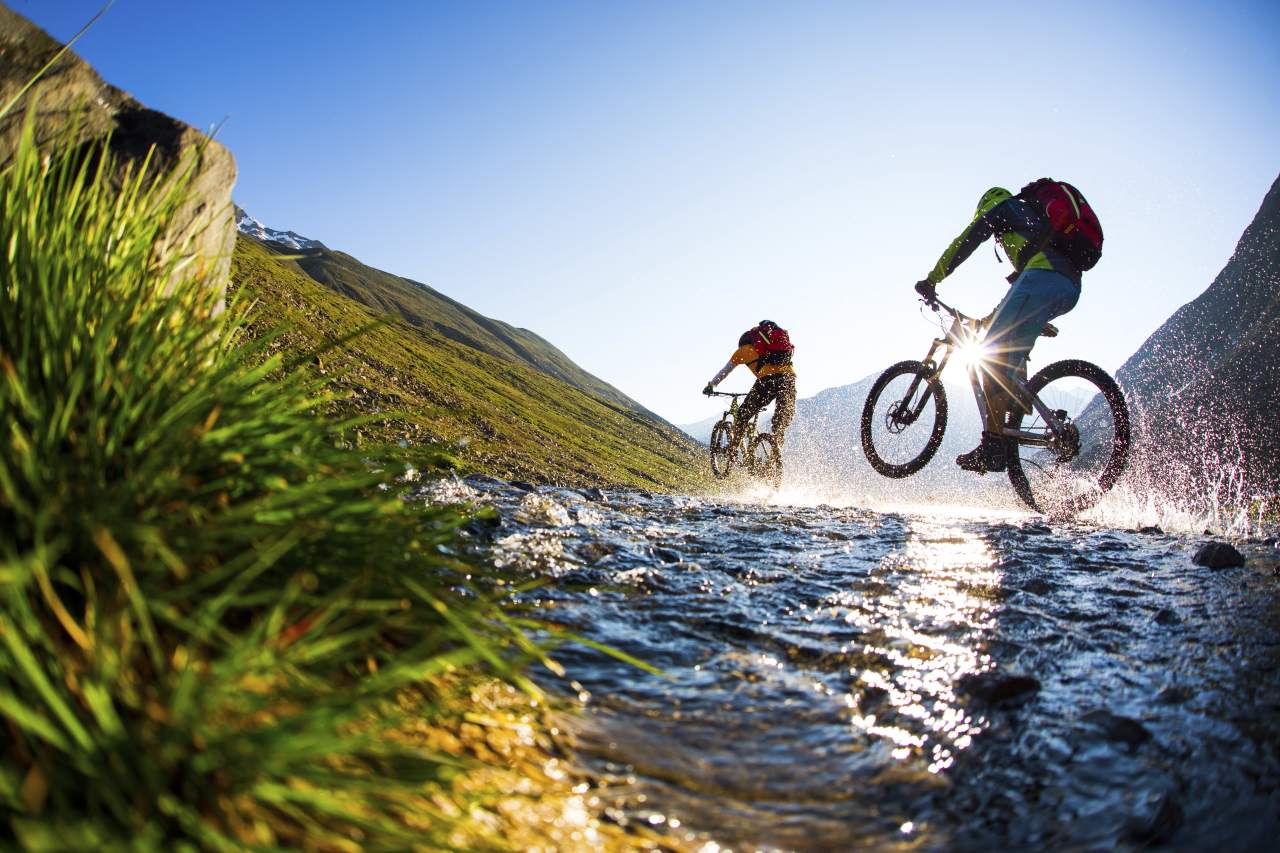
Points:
[(901, 415)]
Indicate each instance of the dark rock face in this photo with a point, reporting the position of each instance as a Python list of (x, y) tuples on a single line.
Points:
[(1204, 388), (1218, 555), (70, 88)]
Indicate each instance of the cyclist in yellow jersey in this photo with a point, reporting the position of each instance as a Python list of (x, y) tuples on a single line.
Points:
[(766, 351)]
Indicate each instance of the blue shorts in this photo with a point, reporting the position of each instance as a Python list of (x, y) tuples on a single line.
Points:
[(1034, 299)]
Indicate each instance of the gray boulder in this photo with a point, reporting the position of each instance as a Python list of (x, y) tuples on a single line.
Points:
[(71, 86)]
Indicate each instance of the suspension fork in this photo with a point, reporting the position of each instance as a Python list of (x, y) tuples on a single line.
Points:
[(935, 370)]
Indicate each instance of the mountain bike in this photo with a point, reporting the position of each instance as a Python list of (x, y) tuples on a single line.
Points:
[(1066, 437), (756, 452)]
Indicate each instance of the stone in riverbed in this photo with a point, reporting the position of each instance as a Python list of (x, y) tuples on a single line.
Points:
[(1174, 694), (996, 687), (1160, 818), (1218, 555), (1115, 727)]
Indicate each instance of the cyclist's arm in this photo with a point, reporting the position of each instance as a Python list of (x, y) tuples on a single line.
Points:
[(744, 354), (961, 248), (719, 377)]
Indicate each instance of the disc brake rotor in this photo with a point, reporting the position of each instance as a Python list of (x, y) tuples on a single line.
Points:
[(1066, 444)]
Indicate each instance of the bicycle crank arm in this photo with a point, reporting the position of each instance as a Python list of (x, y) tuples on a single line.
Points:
[(1024, 437)]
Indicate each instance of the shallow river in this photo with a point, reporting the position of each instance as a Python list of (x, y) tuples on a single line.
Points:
[(836, 678)]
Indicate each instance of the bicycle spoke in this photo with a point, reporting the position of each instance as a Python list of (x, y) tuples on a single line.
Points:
[(903, 419)]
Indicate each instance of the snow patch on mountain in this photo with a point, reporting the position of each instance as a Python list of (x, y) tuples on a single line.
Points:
[(246, 224)]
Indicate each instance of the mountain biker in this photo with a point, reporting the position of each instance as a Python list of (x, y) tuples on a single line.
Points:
[(1045, 285), (766, 350)]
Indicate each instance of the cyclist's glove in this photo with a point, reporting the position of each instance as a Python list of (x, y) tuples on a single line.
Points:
[(709, 390), (927, 292)]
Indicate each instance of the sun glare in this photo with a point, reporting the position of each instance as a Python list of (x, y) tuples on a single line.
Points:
[(972, 354)]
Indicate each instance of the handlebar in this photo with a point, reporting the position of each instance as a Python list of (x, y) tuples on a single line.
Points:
[(938, 303), (726, 394)]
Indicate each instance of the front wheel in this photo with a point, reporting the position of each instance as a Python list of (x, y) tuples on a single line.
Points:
[(903, 419), (1061, 474), (766, 460), (721, 455)]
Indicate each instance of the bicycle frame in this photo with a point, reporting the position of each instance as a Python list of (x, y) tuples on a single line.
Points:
[(749, 430), (966, 332)]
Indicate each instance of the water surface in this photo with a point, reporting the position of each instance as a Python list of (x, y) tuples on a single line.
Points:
[(915, 679)]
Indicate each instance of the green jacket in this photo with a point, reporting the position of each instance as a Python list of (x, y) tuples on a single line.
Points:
[(1015, 224)]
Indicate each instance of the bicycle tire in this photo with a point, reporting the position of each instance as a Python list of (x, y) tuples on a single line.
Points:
[(876, 455), (1053, 500), (768, 469), (721, 458)]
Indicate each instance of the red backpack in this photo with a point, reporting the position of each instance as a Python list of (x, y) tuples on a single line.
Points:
[(772, 343), (1074, 229)]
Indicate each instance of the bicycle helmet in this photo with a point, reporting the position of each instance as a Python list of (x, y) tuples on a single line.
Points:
[(990, 199)]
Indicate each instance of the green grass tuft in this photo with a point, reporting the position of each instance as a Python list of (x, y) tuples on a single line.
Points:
[(210, 607)]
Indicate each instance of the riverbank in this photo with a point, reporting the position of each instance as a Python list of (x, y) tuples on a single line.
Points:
[(222, 623)]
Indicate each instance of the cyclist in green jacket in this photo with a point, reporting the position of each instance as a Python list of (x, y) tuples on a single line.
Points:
[(1045, 286)]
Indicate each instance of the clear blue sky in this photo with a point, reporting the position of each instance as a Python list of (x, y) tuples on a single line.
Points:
[(640, 182)]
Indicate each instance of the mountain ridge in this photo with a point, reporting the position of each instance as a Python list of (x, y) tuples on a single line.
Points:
[(411, 383), (421, 305)]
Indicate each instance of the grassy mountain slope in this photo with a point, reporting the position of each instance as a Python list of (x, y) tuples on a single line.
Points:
[(498, 414), (422, 307)]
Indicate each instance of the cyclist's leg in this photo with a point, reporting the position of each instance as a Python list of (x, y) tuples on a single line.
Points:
[(785, 410), (757, 398), (1037, 297)]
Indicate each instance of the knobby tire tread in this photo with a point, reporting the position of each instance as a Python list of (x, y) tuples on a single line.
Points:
[(1119, 458), (720, 434), (773, 479), (905, 469)]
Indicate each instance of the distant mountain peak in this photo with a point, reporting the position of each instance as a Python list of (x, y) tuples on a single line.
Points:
[(246, 224)]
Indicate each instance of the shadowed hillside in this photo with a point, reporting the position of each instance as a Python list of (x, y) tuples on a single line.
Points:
[(498, 413), (1205, 387)]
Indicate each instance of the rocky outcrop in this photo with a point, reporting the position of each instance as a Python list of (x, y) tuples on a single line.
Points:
[(1205, 388), (72, 95)]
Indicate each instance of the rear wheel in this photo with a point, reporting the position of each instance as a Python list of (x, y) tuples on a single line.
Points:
[(766, 460), (903, 419), (1063, 474), (721, 458)]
